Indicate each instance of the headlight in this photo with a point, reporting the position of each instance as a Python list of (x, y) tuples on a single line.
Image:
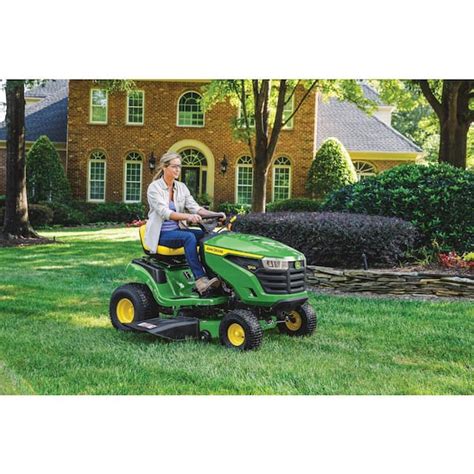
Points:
[(275, 264)]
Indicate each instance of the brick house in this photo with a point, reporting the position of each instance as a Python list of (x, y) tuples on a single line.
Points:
[(105, 140)]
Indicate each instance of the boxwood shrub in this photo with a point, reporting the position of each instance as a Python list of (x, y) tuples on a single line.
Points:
[(437, 199), (231, 209), (39, 215), (336, 239), (295, 204)]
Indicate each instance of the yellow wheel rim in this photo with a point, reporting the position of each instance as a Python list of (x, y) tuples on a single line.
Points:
[(236, 334), (295, 321), (125, 311)]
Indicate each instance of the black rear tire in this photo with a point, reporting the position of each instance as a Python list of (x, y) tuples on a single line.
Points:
[(299, 322), (131, 303), (240, 330)]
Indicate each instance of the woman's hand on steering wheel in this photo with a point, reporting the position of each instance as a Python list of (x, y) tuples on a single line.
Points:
[(194, 219)]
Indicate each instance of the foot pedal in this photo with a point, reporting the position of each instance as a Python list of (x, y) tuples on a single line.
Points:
[(174, 329)]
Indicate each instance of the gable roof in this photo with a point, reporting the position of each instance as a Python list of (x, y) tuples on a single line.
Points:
[(357, 130), (47, 117), (47, 88)]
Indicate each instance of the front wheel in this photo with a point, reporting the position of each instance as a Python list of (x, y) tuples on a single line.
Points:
[(240, 330), (299, 322), (131, 303)]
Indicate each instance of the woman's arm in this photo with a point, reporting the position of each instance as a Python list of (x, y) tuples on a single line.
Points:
[(205, 213)]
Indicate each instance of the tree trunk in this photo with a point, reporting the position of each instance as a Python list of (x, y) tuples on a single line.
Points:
[(453, 143), (260, 175), (16, 223), (454, 118)]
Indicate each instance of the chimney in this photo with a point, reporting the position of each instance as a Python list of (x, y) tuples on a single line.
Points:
[(384, 114)]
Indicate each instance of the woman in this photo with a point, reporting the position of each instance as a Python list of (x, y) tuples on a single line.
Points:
[(168, 198)]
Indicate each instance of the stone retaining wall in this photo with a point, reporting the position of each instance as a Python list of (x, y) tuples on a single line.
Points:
[(389, 282)]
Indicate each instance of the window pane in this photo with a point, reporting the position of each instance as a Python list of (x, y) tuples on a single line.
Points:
[(99, 106), (97, 180), (189, 110), (133, 172), (135, 107), (281, 184), (244, 184)]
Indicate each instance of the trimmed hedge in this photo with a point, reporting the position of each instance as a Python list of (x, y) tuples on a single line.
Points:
[(80, 213), (437, 199), (39, 215), (331, 168), (295, 205), (336, 239)]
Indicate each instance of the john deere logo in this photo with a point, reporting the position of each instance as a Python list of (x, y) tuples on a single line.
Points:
[(298, 265)]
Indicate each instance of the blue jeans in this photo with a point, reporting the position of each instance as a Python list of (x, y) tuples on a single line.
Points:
[(187, 239)]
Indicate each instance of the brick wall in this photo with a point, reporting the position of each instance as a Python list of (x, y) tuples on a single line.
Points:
[(160, 132)]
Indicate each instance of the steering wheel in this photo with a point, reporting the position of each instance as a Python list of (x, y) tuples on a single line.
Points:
[(208, 224)]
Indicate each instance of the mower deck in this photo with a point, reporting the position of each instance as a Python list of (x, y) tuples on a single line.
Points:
[(175, 329)]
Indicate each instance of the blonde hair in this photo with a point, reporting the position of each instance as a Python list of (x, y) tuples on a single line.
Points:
[(164, 163)]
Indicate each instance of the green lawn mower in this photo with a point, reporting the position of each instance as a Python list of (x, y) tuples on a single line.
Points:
[(263, 287)]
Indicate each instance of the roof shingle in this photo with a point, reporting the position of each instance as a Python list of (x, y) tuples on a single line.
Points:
[(357, 130), (47, 117)]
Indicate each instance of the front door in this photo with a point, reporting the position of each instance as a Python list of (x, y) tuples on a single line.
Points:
[(190, 177)]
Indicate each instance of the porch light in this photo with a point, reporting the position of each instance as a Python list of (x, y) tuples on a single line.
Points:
[(152, 162), (224, 164)]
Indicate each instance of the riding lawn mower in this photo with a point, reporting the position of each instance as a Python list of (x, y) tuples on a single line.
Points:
[(262, 287)]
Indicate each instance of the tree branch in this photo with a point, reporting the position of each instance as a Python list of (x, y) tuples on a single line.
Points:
[(243, 100), (430, 97), (278, 116)]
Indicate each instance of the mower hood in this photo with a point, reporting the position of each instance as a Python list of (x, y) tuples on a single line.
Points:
[(251, 246)]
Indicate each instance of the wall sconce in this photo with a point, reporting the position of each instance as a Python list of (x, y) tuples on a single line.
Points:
[(152, 162), (224, 165)]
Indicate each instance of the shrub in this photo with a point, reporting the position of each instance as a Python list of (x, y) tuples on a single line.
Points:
[(65, 214), (204, 200), (331, 169), (438, 200), (39, 215), (46, 180), (116, 212), (335, 239), (231, 209), (295, 204)]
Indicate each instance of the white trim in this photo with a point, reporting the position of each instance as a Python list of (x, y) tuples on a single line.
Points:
[(206, 151), (177, 112), (125, 162), (127, 122), (237, 166), (290, 176), (106, 107), (89, 161)]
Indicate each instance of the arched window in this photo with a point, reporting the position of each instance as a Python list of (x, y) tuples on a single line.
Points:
[(189, 110), (133, 177), (194, 171), (281, 178), (364, 169), (244, 179), (97, 160)]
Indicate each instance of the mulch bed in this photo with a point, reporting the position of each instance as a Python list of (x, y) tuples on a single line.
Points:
[(23, 242)]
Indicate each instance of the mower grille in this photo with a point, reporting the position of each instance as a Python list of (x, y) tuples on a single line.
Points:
[(282, 281)]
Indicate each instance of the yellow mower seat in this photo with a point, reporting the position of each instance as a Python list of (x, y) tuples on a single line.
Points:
[(161, 249)]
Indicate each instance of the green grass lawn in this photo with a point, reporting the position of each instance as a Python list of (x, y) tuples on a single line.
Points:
[(55, 337)]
